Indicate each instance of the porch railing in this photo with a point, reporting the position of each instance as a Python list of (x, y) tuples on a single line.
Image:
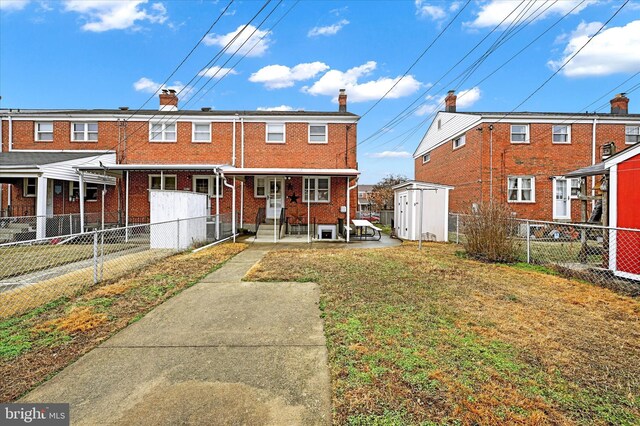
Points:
[(261, 215)]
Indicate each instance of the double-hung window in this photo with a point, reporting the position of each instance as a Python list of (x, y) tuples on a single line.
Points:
[(44, 131), (259, 187), (207, 185), (201, 132), (90, 191), (519, 133), (163, 182), (459, 142), (426, 157), (316, 189), (575, 188), (317, 133), (562, 134), (521, 189), (84, 132), (275, 133), (162, 132), (29, 187), (632, 134)]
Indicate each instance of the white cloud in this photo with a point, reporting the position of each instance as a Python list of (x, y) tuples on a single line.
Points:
[(281, 76), (9, 5), (466, 98), (583, 29), (494, 11), (276, 108), (105, 15), (147, 85), (390, 154), (612, 51), (328, 30), (217, 72), (332, 81), (426, 10), (261, 44)]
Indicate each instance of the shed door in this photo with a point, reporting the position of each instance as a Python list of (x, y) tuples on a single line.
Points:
[(627, 244), (403, 222)]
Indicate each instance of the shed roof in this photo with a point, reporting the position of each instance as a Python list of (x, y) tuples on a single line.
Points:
[(33, 159)]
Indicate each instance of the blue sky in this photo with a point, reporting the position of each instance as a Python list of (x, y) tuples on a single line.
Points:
[(106, 54)]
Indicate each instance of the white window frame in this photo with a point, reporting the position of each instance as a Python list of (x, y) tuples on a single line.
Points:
[(571, 181), (554, 191), (263, 186), (526, 134), (25, 188), (38, 132), (193, 132), (315, 199), (459, 142), (519, 189), (85, 131), (553, 134), (426, 157), (163, 179), (163, 132), (636, 135), (212, 184), (284, 133), (326, 133), (74, 185)]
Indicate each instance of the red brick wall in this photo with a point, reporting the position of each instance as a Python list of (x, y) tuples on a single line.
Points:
[(539, 158)]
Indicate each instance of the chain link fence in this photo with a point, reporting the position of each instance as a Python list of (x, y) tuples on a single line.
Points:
[(602, 255), (35, 272)]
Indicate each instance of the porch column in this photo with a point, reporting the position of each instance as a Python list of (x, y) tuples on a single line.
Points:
[(41, 207), (217, 206), (348, 210), (81, 191), (126, 209), (275, 210), (305, 183)]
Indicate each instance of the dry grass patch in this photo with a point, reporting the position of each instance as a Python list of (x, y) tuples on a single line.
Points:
[(40, 342), (432, 336)]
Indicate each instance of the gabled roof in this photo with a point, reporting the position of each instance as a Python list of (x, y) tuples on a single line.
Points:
[(451, 125)]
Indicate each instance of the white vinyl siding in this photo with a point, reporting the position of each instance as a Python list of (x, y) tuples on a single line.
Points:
[(632, 135), (275, 133), (162, 132), (316, 189), (201, 132), (459, 142), (519, 133), (84, 132), (521, 189), (44, 131), (207, 185), (318, 133), (561, 134)]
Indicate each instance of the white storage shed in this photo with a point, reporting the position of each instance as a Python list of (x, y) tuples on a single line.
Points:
[(414, 200), (167, 207)]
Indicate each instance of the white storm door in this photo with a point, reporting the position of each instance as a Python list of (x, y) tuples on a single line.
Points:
[(275, 198), (561, 201)]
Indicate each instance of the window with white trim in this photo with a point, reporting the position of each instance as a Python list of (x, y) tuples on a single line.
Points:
[(426, 157), (519, 133), (90, 191), (163, 182), (318, 133), (632, 134), (459, 142), (316, 189), (207, 185), (84, 132), (575, 188), (201, 132), (259, 187), (275, 133), (162, 132), (561, 134), (29, 187), (521, 189), (44, 131)]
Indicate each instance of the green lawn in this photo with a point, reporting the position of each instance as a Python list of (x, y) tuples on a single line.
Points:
[(433, 338)]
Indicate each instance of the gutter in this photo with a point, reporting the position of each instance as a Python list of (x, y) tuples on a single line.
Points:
[(233, 206)]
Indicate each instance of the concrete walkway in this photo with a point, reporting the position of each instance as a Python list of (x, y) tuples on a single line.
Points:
[(222, 352)]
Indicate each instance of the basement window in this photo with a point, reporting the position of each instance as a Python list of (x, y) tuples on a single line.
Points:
[(632, 135)]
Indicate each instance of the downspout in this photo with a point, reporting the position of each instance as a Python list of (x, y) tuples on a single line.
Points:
[(233, 205), (81, 193), (241, 165), (490, 164), (10, 142), (233, 150), (593, 157), (349, 188)]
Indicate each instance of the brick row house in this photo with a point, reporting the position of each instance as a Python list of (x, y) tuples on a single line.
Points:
[(520, 158), (296, 165)]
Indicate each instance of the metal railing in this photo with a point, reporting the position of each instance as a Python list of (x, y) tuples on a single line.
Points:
[(261, 216), (599, 254), (35, 272)]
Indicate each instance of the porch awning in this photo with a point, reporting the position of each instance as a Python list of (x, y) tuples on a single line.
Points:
[(594, 170), (117, 169), (288, 172)]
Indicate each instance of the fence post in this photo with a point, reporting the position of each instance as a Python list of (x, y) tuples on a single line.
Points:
[(457, 229), (101, 255), (95, 257), (528, 242), (178, 235)]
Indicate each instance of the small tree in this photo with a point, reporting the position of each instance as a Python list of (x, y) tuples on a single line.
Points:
[(382, 192), (488, 232)]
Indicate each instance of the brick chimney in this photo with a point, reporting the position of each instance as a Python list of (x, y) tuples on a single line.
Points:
[(620, 104), (342, 101), (450, 101), (168, 100)]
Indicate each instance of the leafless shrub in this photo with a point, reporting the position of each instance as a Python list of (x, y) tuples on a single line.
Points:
[(489, 234)]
